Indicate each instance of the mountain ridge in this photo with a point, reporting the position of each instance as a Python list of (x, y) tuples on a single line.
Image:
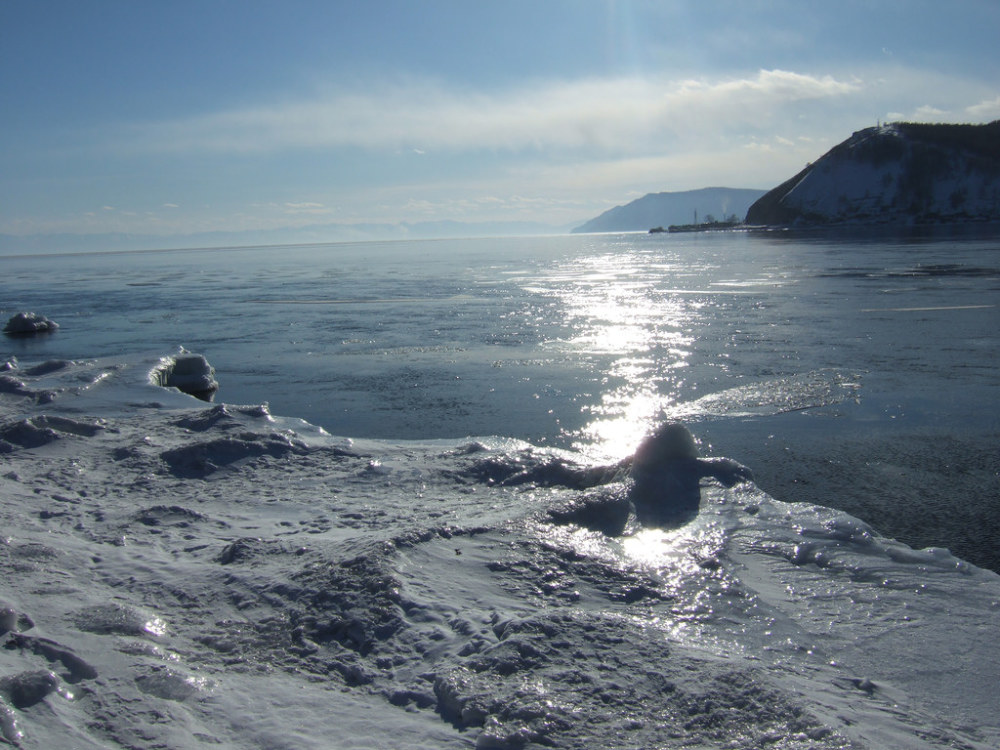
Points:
[(663, 209)]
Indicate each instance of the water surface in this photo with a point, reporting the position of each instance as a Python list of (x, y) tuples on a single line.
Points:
[(807, 357)]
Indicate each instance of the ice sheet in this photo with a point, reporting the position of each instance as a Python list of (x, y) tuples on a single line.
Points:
[(177, 573)]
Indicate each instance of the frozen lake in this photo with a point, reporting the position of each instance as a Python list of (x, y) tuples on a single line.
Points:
[(788, 352), (413, 545)]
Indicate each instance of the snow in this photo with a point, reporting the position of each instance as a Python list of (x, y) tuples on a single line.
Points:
[(180, 574)]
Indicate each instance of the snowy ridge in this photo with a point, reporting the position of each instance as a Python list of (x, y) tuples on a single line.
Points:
[(180, 574), (894, 174)]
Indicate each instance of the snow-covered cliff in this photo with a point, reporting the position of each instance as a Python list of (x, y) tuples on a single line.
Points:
[(903, 173)]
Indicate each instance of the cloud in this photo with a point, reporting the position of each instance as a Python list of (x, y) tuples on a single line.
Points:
[(982, 112), (306, 207), (985, 110), (929, 113), (777, 85), (613, 114)]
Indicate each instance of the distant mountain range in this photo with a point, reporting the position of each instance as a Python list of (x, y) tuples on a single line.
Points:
[(664, 209), (898, 174)]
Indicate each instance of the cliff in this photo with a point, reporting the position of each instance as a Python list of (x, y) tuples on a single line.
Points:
[(663, 209), (903, 173)]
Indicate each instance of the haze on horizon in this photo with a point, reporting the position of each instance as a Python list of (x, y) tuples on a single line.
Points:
[(188, 117)]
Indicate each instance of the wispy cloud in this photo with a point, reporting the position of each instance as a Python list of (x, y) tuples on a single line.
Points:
[(606, 114), (985, 110), (305, 207)]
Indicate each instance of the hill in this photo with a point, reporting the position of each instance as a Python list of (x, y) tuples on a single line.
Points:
[(901, 173), (663, 209)]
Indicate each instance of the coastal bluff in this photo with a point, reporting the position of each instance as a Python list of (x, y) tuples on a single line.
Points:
[(894, 174)]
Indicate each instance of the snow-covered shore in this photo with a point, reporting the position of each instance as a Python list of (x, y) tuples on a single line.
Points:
[(178, 574)]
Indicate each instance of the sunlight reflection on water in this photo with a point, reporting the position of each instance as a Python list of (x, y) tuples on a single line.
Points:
[(612, 306)]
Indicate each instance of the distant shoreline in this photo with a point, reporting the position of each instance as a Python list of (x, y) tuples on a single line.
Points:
[(843, 228)]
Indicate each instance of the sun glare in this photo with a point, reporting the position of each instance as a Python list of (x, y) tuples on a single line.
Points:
[(615, 308)]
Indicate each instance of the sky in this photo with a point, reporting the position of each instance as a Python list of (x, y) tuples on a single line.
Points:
[(191, 116)]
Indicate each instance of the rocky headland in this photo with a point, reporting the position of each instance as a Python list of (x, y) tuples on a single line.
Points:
[(894, 174)]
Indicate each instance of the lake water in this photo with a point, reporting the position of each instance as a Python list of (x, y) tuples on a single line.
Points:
[(578, 341), (179, 567), (562, 340)]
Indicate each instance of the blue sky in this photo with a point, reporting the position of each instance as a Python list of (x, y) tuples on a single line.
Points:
[(185, 116)]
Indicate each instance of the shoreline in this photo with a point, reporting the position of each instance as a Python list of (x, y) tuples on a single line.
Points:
[(852, 457)]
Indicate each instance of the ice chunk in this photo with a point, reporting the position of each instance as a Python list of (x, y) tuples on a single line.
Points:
[(189, 373), (28, 324)]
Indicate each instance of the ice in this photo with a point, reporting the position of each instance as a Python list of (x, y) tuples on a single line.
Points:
[(187, 372), (28, 688), (29, 324), (179, 574)]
